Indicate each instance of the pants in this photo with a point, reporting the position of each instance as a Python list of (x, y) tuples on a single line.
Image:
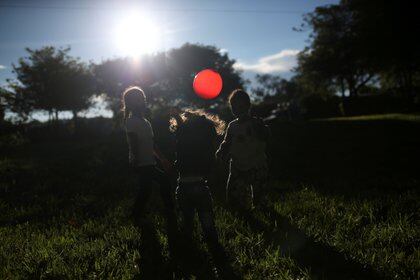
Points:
[(195, 197), (245, 189), (147, 176)]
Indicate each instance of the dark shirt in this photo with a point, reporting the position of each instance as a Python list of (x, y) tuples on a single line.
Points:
[(195, 147)]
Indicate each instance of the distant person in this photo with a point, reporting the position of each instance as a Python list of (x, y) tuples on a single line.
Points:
[(143, 156), (196, 136), (244, 145)]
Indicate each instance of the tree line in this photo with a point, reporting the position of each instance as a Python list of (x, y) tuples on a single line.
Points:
[(50, 79), (354, 48)]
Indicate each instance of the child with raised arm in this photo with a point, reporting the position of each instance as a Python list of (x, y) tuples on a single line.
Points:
[(244, 146), (196, 135)]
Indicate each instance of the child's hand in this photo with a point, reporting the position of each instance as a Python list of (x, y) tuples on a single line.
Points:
[(167, 166), (218, 155)]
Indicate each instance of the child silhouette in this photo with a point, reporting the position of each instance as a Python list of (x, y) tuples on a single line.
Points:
[(142, 157), (196, 135), (244, 146)]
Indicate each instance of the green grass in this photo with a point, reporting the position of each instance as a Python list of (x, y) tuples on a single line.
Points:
[(382, 232), (398, 117), (67, 217), (343, 194)]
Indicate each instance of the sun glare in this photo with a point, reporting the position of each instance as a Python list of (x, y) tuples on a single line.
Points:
[(137, 35)]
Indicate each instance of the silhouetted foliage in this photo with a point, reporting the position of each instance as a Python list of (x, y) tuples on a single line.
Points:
[(354, 42), (298, 96), (114, 75), (189, 59), (15, 103), (50, 79), (386, 29), (336, 54), (166, 77), (3, 103)]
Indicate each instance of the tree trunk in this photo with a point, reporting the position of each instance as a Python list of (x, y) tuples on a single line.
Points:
[(50, 116), (410, 83), (343, 89), (75, 121), (74, 115)]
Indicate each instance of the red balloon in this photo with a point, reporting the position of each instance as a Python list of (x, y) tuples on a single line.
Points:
[(208, 84)]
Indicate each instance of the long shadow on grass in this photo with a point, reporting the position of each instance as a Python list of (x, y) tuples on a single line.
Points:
[(323, 262), (151, 263), (192, 262), (186, 261)]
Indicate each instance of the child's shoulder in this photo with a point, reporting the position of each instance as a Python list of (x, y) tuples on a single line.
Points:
[(257, 121), (246, 121), (233, 123), (133, 123), (130, 124)]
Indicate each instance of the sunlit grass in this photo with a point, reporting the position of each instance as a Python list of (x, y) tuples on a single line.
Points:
[(382, 232), (398, 117), (65, 213)]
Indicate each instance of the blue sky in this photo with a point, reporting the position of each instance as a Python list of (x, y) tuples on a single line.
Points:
[(258, 34)]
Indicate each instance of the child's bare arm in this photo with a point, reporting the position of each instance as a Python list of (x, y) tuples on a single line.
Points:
[(263, 131), (224, 148), (166, 164)]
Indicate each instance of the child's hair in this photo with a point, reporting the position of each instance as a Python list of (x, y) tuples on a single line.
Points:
[(239, 94), (189, 116), (196, 135), (132, 97)]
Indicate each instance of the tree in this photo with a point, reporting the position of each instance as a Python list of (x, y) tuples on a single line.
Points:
[(15, 103), (3, 103), (114, 75), (268, 86), (335, 54), (186, 61), (50, 79), (355, 42), (166, 77), (386, 29)]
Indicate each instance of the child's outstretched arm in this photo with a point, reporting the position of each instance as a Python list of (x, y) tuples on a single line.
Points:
[(166, 164), (224, 148), (263, 131), (267, 133)]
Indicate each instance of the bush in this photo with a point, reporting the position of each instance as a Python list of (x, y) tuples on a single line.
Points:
[(377, 104), (316, 106)]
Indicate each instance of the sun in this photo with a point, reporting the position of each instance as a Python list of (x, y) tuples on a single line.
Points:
[(137, 34)]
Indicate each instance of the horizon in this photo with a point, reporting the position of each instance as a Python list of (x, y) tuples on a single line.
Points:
[(94, 32)]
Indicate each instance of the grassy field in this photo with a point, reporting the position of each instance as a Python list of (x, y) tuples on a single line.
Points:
[(344, 204)]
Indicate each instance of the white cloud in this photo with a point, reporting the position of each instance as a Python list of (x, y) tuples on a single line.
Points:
[(2, 67), (282, 61)]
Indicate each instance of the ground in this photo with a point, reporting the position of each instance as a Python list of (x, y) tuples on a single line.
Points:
[(343, 204)]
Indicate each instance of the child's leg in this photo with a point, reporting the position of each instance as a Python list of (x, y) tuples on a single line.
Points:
[(166, 194), (187, 211), (204, 203), (165, 188), (238, 189), (259, 185), (145, 189)]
